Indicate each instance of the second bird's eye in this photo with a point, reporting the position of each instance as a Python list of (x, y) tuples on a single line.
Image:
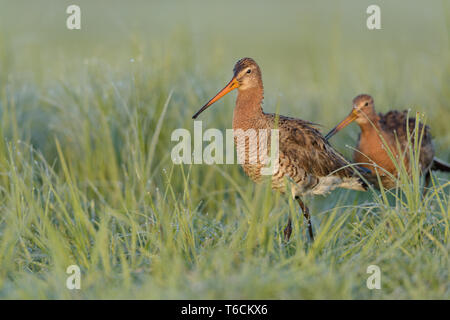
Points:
[(249, 70)]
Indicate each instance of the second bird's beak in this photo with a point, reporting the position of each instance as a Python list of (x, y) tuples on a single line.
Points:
[(349, 119), (233, 84)]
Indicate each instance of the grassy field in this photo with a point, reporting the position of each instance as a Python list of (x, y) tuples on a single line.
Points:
[(86, 176)]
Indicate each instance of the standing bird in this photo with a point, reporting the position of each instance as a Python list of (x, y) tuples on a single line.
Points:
[(392, 127), (311, 165)]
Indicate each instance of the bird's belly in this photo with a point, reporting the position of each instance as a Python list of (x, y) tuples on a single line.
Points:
[(252, 153), (257, 171), (287, 173), (373, 154), (301, 182), (253, 171)]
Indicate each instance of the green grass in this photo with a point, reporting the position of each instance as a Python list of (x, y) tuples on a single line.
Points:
[(86, 176)]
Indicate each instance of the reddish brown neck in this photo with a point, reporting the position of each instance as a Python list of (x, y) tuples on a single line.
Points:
[(371, 125), (248, 106)]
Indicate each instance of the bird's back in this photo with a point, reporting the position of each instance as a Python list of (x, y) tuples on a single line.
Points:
[(397, 124)]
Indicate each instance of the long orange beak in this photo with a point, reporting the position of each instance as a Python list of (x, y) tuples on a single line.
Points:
[(349, 119), (233, 84)]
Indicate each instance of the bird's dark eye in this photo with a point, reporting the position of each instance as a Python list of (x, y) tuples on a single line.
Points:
[(249, 70), (366, 104)]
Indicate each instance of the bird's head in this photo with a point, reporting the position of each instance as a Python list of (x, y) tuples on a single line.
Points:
[(246, 75), (362, 109)]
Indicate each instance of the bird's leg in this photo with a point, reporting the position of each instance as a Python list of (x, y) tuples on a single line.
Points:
[(305, 211), (288, 230), (426, 183)]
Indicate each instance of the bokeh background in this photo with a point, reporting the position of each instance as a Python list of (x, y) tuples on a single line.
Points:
[(315, 57)]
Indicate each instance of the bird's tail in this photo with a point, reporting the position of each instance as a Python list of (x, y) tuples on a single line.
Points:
[(440, 165), (360, 179)]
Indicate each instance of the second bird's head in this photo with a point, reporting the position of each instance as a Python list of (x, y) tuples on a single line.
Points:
[(246, 75), (362, 110)]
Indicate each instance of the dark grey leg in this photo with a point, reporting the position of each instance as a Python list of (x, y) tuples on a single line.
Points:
[(427, 183), (307, 217), (288, 230)]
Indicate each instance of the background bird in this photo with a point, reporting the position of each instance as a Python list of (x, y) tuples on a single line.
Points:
[(382, 131), (311, 165)]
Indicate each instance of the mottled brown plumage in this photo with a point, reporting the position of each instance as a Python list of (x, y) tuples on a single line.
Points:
[(384, 133), (305, 158)]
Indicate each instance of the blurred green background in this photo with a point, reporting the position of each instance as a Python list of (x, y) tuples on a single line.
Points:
[(309, 52)]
